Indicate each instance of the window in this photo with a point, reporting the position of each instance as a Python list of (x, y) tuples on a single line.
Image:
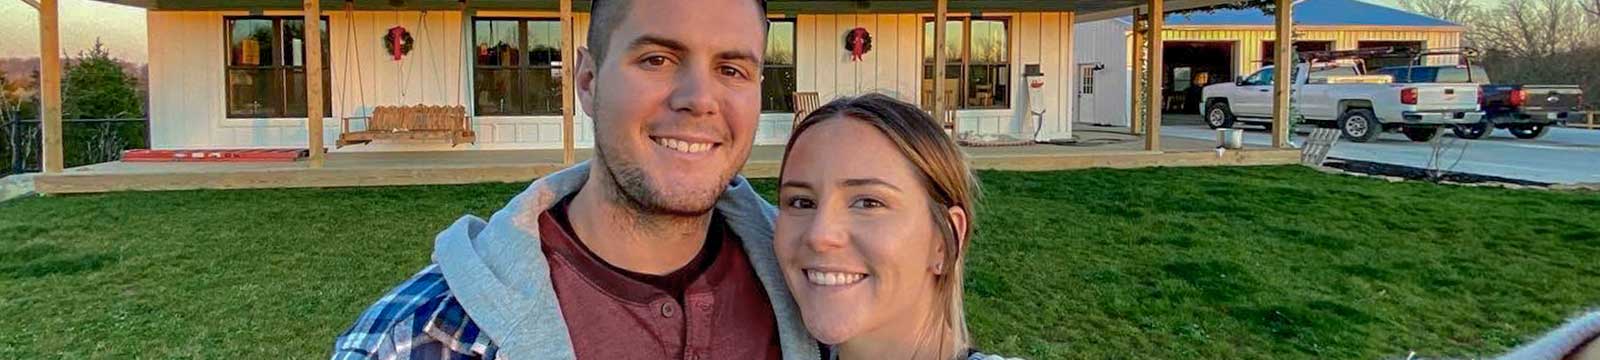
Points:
[(1087, 85), (1435, 74), (517, 66), (978, 72), (778, 76), (266, 71), (1263, 77)]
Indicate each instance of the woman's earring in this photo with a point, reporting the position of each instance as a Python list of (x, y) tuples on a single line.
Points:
[(938, 269)]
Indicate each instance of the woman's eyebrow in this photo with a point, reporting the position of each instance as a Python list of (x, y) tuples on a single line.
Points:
[(860, 182), (795, 184)]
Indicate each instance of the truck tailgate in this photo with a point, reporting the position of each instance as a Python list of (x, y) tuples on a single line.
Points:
[(1444, 97), (1552, 97)]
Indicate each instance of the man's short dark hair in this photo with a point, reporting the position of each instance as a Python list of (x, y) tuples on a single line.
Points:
[(605, 15)]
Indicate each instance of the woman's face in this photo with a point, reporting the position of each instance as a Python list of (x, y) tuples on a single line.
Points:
[(855, 235)]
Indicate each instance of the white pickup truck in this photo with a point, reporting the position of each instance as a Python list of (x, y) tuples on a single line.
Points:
[(1338, 95)]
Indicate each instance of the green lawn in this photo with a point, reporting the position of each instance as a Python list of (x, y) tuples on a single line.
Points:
[(1209, 263)]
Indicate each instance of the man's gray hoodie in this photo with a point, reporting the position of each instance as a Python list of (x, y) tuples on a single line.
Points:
[(496, 273)]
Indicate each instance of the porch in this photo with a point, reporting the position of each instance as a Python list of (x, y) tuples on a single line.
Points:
[(350, 169)]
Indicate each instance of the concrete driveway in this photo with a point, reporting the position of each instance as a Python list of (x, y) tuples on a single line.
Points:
[(1565, 155)]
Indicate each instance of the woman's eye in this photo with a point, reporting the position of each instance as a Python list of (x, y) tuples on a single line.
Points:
[(801, 203), (867, 204)]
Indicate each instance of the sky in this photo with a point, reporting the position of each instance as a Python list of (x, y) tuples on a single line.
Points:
[(122, 28)]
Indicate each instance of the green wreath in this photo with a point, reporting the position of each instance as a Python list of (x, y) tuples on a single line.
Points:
[(406, 42)]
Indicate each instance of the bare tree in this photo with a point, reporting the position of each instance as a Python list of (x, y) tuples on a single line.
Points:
[(1457, 11), (1534, 28), (1593, 7)]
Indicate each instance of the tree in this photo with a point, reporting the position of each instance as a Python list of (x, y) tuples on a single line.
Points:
[(1534, 28), (1456, 11), (95, 87)]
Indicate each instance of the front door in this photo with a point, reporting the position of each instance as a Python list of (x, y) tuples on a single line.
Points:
[(1085, 105)]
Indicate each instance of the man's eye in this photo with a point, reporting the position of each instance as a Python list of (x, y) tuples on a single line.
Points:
[(801, 203), (657, 60), (730, 71), (867, 204)]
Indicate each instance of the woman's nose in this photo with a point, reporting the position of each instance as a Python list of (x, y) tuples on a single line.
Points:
[(827, 232)]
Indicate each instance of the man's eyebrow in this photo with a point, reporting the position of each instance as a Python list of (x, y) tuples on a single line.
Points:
[(653, 40), (741, 55), (868, 182)]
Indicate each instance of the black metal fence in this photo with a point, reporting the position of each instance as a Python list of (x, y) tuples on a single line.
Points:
[(84, 141)]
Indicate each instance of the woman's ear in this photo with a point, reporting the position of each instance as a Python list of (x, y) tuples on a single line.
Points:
[(958, 224), (584, 79)]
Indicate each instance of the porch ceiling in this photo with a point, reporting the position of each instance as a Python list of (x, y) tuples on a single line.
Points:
[(1083, 7)]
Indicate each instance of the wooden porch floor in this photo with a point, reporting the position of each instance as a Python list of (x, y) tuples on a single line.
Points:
[(347, 169)]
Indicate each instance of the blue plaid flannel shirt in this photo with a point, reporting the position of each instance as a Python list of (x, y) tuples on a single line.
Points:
[(420, 319)]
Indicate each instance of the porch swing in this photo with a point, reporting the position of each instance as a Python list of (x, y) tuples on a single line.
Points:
[(400, 122)]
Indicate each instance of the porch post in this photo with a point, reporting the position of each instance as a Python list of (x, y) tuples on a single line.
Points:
[(1158, 16), (569, 66), (50, 86), (939, 12), (1284, 66), (314, 85), (1136, 77)]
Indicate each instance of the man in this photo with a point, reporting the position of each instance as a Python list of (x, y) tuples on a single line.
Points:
[(655, 249)]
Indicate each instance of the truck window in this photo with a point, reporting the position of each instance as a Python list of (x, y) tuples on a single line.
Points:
[(1263, 77), (1321, 75), (1458, 74)]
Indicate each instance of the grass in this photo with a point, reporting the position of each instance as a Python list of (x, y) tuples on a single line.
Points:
[(1212, 263)]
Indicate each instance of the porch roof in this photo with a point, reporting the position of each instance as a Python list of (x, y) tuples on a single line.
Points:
[(1086, 9)]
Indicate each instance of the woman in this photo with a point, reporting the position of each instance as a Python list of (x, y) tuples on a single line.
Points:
[(875, 211)]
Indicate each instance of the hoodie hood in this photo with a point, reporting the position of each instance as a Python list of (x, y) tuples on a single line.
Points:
[(499, 274)]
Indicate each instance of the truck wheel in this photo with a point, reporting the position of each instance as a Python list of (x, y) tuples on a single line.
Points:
[(1530, 131), (1474, 131), (1219, 116), (1420, 133), (1360, 125)]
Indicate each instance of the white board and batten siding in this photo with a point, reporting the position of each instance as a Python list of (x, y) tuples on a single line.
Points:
[(894, 65), (1110, 42), (188, 58)]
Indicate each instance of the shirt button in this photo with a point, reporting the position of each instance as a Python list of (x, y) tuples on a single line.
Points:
[(668, 310)]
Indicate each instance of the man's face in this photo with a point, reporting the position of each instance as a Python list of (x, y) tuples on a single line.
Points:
[(677, 100)]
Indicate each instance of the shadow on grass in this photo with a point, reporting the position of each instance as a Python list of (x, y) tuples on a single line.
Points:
[(22, 256)]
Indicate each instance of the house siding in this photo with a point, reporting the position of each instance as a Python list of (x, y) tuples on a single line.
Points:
[(188, 104)]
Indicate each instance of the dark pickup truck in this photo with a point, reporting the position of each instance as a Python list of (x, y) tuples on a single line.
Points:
[(1527, 111)]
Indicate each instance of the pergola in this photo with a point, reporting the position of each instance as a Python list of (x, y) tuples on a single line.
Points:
[(1147, 77)]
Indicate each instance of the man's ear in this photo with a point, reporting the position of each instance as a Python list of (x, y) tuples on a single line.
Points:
[(585, 78)]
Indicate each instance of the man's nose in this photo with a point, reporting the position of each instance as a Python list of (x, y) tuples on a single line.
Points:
[(695, 93)]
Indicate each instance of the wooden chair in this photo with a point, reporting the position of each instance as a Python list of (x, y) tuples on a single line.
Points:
[(419, 122), (804, 104)]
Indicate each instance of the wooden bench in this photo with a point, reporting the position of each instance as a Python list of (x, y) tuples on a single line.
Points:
[(419, 122)]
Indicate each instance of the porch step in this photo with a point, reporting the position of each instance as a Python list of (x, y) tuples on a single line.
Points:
[(215, 155)]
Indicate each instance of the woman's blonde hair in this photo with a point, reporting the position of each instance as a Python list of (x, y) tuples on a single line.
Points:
[(944, 172)]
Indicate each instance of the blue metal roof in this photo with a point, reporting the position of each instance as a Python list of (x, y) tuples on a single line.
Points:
[(1315, 12)]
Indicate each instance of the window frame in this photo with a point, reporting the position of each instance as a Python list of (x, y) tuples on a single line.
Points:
[(524, 66), (280, 70), (794, 43), (966, 64)]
